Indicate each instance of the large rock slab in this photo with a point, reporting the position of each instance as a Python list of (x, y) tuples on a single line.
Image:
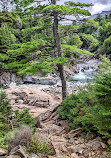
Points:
[(32, 97), (48, 80)]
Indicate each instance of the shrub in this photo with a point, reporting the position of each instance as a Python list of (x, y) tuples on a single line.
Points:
[(74, 106), (24, 117), (38, 147), (5, 110), (76, 41), (94, 47), (5, 107), (107, 45), (22, 137)]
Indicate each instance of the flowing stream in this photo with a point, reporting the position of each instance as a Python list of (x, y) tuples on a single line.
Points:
[(86, 75)]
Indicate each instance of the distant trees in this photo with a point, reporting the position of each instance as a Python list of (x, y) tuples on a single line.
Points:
[(104, 35)]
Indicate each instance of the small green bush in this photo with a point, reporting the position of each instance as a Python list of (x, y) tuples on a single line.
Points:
[(5, 107), (24, 118), (38, 147), (73, 108)]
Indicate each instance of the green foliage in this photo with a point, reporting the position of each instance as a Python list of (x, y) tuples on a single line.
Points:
[(73, 108), (37, 146), (76, 41), (105, 31), (75, 49), (89, 41), (5, 110), (24, 118), (65, 10), (5, 107), (90, 108), (78, 4), (107, 45), (20, 118), (6, 17), (98, 18), (88, 26), (6, 38)]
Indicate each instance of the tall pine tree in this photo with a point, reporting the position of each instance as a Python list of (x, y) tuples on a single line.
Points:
[(43, 50)]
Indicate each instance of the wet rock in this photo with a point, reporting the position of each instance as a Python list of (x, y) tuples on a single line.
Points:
[(82, 70), (86, 67), (48, 80), (34, 156)]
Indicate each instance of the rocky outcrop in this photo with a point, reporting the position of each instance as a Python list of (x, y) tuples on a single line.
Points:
[(24, 96), (6, 78), (9, 79)]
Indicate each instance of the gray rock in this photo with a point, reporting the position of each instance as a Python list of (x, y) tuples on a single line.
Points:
[(72, 149), (40, 80), (73, 155), (18, 150), (103, 145), (3, 153), (7, 78), (12, 84), (20, 101), (79, 150), (94, 144), (34, 156), (86, 67), (13, 156)]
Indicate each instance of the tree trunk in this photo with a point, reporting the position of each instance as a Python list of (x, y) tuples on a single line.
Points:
[(59, 49)]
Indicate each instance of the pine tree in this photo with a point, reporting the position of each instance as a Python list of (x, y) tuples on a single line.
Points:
[(42, 49)]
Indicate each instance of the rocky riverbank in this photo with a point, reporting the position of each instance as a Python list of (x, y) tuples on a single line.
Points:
[(53, 130), (43, 98)]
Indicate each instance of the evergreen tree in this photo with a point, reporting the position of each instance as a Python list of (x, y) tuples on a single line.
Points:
[(58, 12), (40, 46)]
